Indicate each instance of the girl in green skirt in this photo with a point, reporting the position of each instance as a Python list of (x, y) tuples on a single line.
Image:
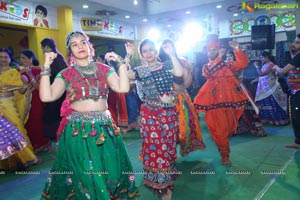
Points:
[(92, 161)]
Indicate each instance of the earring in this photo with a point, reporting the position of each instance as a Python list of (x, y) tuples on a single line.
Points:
[(71, 60)]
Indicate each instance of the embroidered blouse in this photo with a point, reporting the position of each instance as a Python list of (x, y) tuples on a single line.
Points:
[(83, 87), (151, 85)]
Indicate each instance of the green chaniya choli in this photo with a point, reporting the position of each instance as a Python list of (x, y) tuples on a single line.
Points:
[(92, 160)]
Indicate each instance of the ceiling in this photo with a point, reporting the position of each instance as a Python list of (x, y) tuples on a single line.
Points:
[(159, 12)]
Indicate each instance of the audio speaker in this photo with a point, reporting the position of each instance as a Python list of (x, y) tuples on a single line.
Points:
[(263, 37)]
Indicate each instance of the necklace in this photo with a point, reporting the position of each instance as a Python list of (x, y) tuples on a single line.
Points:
[(88, 71), (155, 66)]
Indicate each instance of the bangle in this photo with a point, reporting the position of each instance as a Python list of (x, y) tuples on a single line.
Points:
[(120, 61), (46, 71)]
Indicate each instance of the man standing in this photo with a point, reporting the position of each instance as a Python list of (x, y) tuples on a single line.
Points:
[(293, 71), (221, 97), (52, 110)]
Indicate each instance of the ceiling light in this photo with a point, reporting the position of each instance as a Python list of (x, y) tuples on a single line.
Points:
[(135, 2), (235, 14), (219, 6), (145, 20), (154, 34), (187, 12), (127, 16), (85, 6)]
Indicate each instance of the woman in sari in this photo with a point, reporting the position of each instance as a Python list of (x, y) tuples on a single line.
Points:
[(35, 123), (13, 108)]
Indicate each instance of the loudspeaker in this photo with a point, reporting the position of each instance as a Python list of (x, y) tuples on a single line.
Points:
[(263, 37)]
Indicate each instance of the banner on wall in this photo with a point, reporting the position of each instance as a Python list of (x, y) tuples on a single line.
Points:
[(285, 21), (15, 12), (103, 27), (26, 13), (91, 24)]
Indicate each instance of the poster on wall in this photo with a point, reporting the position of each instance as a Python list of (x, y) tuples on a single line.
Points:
[(44, 16), (26, 13)]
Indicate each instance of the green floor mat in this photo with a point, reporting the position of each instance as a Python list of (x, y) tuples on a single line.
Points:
[(254, 162)]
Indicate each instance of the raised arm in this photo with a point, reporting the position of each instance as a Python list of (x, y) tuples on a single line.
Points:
[(177, 67), (118, 83), (49, 93), (241, 61)]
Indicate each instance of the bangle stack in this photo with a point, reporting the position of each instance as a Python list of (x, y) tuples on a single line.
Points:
[(46, 71), (120, 61)]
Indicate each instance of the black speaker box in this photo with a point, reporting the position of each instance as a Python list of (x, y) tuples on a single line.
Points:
[(263, 37)]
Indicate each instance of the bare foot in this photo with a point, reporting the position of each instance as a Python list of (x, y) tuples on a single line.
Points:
[(168, 195)]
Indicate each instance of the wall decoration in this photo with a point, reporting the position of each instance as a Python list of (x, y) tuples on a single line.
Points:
[(262, 20), (15, 12), (284, 21), (41, 17), (28, 13)]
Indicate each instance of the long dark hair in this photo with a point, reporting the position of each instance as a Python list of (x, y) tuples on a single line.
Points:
[(29, 54), (266, 54)]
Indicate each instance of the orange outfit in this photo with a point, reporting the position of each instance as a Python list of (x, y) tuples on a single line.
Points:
[(222, 99)]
